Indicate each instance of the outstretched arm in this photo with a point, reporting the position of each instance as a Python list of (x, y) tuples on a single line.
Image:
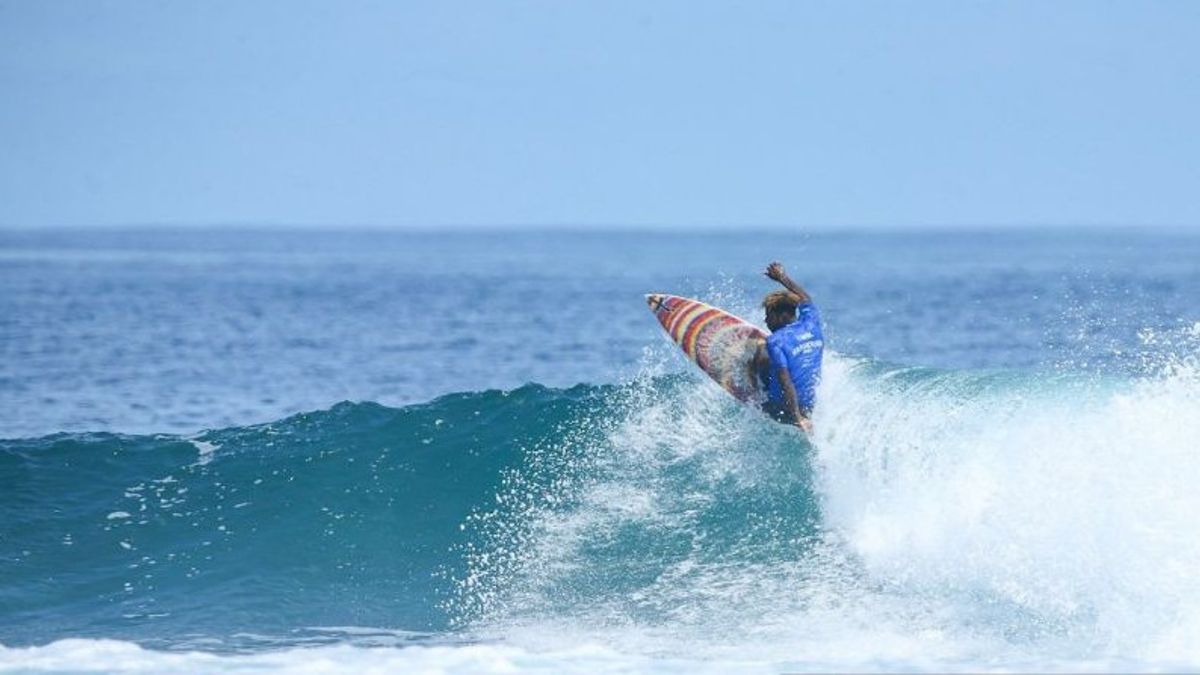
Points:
[(776, 272)]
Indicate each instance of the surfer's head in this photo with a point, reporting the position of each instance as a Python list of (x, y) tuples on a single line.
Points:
[(780, 307)]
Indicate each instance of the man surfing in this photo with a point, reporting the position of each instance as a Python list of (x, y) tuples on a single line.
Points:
[(789, 361)]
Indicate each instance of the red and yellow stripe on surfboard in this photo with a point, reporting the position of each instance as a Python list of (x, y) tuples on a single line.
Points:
[(719, 342)]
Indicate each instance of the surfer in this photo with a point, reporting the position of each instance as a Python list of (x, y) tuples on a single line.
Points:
[(789, 360)]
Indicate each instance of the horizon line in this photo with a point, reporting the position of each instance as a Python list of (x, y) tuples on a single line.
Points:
[(583, 228)]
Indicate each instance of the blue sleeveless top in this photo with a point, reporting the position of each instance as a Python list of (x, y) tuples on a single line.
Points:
[(798, 347)]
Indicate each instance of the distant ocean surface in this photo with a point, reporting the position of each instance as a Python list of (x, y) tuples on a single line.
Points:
[(305, 450)]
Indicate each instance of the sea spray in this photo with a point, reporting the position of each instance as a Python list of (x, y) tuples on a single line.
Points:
[(954, 513)]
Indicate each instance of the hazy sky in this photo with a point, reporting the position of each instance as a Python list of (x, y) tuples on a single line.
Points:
[(566, 112)]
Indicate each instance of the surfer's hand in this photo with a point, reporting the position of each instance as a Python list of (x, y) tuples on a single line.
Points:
[(775, 271), (805, 425)]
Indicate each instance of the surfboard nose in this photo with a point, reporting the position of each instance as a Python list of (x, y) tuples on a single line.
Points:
[(655, 301)]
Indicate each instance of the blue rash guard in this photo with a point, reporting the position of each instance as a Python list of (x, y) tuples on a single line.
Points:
[(798, 347)]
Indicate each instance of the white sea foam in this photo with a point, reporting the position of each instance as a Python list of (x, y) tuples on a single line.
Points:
[(205, 450), (969, 521), (1057, 517), (114, 656)]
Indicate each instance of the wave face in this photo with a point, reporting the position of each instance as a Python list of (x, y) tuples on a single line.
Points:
[(331, 518), (936, 518)]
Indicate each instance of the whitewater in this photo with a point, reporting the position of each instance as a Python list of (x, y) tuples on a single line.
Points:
[(942, 517)]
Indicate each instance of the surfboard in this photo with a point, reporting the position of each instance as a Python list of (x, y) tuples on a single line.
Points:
[(721, 344)]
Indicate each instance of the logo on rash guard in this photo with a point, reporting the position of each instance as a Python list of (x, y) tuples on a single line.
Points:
[(806, 347)]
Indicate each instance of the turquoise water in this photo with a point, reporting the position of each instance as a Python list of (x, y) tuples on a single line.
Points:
[(527, 475)]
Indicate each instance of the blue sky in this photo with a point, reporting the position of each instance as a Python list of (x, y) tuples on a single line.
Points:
[(679, 114)]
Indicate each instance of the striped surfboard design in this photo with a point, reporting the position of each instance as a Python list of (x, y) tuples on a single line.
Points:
[(720, 343)]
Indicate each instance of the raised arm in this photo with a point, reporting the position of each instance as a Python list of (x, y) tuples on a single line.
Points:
[(776, 272)]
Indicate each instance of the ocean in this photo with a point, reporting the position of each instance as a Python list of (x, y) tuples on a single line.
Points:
[(321, 450)]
